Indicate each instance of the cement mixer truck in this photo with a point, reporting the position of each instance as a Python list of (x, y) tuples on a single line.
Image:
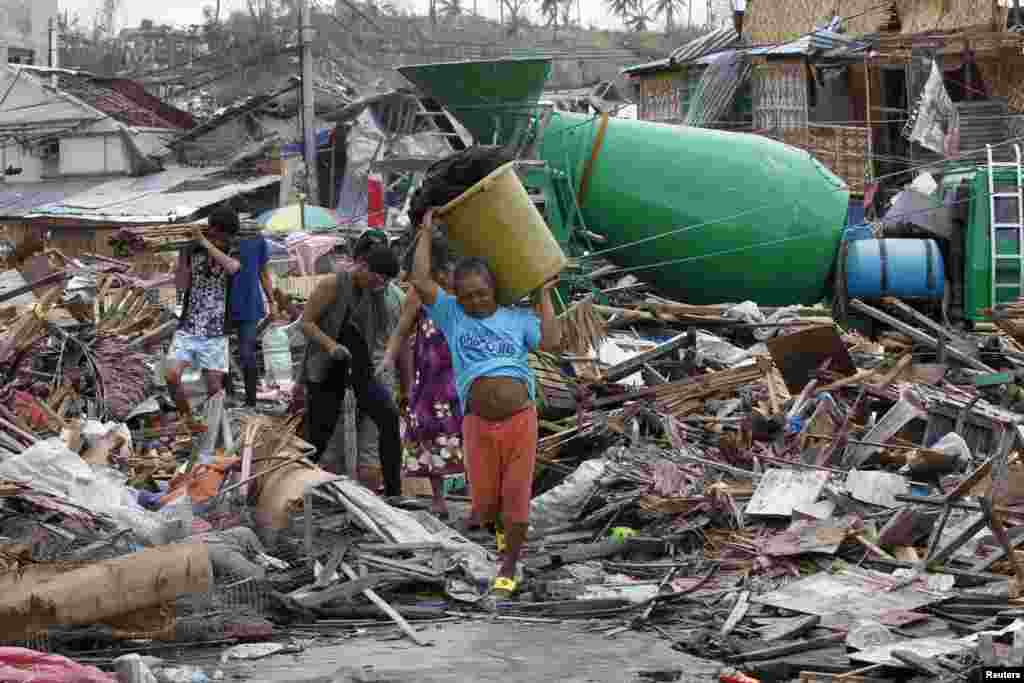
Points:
[(708, 216)]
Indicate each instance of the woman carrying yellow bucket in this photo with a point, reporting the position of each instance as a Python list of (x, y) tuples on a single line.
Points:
[(490, 346)]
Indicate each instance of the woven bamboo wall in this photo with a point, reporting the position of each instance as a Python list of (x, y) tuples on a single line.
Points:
[(1004, 76), (918, 16), (72, 241), (773, 21), (842, 149)]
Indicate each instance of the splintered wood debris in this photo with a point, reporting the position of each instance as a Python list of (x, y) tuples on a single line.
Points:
[(754, 495)]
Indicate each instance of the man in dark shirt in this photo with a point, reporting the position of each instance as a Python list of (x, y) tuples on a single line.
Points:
[(204, 272)]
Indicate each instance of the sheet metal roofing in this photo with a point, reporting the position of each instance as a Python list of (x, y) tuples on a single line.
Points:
[(172, 195), (122, 99), (19, 199), (707, 44), (716, 41)]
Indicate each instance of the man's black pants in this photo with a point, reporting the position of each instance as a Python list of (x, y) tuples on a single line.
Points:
[(323, 407)]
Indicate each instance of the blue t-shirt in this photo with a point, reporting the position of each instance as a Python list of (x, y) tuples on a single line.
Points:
[(246, 290), (498, 346)]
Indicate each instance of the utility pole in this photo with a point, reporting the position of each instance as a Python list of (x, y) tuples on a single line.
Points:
[(308, 109), (54, 51)]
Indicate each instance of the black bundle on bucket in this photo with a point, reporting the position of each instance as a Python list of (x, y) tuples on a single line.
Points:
[(453, 175)]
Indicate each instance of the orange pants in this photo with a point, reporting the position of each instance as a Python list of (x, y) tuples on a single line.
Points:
[(500, 457)]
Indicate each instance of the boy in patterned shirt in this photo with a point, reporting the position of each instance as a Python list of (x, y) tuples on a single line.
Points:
[(204, 273)]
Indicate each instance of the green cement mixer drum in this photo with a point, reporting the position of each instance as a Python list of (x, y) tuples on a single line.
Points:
[(706, 216)]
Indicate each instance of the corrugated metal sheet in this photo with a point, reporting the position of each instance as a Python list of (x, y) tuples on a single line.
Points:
[(656, 65), (983, 123), (121, 99), (19, 199), (707, 44), (718, 86), (816, 41), (172, 195), (250, 104), (716, 41), (30, 108)]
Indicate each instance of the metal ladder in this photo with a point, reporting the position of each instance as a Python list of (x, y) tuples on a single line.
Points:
[(1015, 254)]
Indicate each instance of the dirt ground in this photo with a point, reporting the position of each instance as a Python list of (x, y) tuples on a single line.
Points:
[(483, 651)]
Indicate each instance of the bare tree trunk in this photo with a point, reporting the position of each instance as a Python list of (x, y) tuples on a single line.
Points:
[(216, 14)]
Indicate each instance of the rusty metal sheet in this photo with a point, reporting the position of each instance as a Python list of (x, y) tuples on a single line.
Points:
[(780, 491), (808, 536), (859, 593), (798, 356)]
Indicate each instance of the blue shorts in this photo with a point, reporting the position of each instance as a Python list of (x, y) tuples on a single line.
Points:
[(202, 353)]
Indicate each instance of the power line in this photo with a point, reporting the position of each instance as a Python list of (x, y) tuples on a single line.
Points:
[(959, 158)]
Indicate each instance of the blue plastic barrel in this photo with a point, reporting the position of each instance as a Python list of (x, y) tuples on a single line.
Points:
[(906, 268), (861, 231)]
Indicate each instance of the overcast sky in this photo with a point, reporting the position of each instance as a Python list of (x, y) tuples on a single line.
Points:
[(184, 12)]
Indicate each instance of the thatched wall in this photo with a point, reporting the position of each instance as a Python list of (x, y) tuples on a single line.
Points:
[(918, 16), (1004, 76), (775, 21)]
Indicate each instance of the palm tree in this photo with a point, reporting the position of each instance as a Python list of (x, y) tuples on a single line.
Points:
[(633, 14), (620, 8), (668, 9), (639, 19), (451, 8), (515, 10), (566, 9), (549, 10)]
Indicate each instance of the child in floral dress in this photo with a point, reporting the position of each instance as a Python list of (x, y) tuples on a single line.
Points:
[(431, 422)]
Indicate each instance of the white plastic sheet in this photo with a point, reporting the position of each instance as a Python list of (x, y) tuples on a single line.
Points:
[(559, 505), (50, 467)]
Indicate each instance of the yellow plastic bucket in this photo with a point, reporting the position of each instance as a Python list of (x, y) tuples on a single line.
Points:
[(495, 220)]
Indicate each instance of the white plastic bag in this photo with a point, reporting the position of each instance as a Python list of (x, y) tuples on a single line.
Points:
[(49, 466), (559, 505), (277, 356)]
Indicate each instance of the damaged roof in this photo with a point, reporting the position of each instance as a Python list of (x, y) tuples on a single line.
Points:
[(819, 40), (172, 195), (20, 199), (249, 104), (701, 46), (124, 100)]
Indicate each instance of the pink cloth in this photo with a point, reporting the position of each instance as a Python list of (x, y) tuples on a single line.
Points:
[(307, 249), (19, 665)]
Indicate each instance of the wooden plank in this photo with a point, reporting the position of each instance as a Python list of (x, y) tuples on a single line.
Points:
[(739, 611), (917, 335), (386, 608), (634, 364)]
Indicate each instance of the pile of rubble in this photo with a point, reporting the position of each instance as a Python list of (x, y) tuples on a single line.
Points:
[(760, 487)]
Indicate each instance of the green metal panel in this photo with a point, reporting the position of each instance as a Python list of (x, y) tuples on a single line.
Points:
[(494, 100), (750, 218), (978, 250)]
